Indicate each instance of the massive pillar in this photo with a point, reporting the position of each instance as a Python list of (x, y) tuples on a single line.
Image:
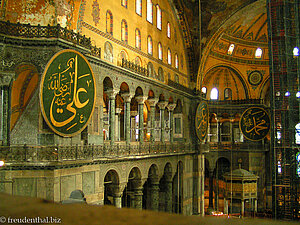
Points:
[(127, 99), (141, 100), (112, 108), (138, 198), (152, 102), (154, 195), (211, 190), (171, 108), (162, 106), (168, 195)]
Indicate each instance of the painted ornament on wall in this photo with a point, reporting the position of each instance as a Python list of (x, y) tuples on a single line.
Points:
[(96, 12), (255, 123), (255, 78), (67, 93), (201, 121)]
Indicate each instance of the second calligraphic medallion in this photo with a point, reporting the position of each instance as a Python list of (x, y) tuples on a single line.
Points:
[(67, 93), (255, 123), (201, 121)]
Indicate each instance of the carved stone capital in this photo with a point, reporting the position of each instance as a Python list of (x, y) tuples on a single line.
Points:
[(140, 99), (5, 79), (133, 113), (127, 97), (171, 107), (162, 104), (111, 93), (152, 102)]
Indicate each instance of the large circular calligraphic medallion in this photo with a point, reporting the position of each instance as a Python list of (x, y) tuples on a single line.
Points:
[(201, 120), (67, 93), (255, 123)]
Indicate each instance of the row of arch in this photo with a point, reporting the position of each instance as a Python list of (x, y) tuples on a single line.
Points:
[(155, 192)]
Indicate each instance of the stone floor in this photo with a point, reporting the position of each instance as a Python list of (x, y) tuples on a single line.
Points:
[(18, 210)]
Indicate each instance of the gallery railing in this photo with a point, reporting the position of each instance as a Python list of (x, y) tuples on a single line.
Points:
[(88, 152), (134, 67), (30, 31)]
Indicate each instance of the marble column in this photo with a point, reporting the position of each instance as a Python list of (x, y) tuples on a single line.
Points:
[(243, 207), (140, 100), (5, 122), (152, 102), (211, 190), (154, 195), (133, 115), (225, 206), (138, 198), (112, 108), (117, 124), (162, 106), (171, 108), (127, 99), (168, 196), (118, 200)]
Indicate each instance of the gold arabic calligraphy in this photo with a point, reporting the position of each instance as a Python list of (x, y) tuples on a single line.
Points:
[(66, 92), (255, 123)]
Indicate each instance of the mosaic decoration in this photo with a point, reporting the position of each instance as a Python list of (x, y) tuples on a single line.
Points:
[(201, 121), (255, 78), (255, 123), (96, 12), (67, 93)]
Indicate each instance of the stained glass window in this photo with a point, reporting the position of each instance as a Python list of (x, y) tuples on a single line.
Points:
[(258, 53), (160, 53), (158, 17), (214, 94), (150, 47), (137, 38), (138, 7), (169, 57), (109, 22), (149, 11), (297, 134), (176, 61), (124, 31), (168, 30), (298, 163), (124, 3)]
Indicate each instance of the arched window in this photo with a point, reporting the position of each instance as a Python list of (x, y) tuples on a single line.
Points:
[(124, 3), (149, 11), (169, 57), (214, 94), (108, 51), (258, 53), (227, 94), (150, 47), (168, 30), (160, 53), (161, 74), (176, 61), (158, 17), (230, 49), (138, 7), (150, 69), (296, 52), (204, 90), (109, 22), (124, 31), (298, 163), (138, 61), (137, 38)]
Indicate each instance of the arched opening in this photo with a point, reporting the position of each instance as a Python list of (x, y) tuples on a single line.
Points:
[(132, 194), (165, 190), (111, 189), (178, 189), (151, 189)]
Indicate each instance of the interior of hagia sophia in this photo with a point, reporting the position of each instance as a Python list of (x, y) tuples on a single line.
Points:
[(154, 64)]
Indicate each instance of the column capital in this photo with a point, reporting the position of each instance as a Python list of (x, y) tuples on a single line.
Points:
[(162, 104), (5, 79), (152, 101), (118, 110), (140, 99), (171, 107), (111, 93), (127, 96), (133, 113)]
